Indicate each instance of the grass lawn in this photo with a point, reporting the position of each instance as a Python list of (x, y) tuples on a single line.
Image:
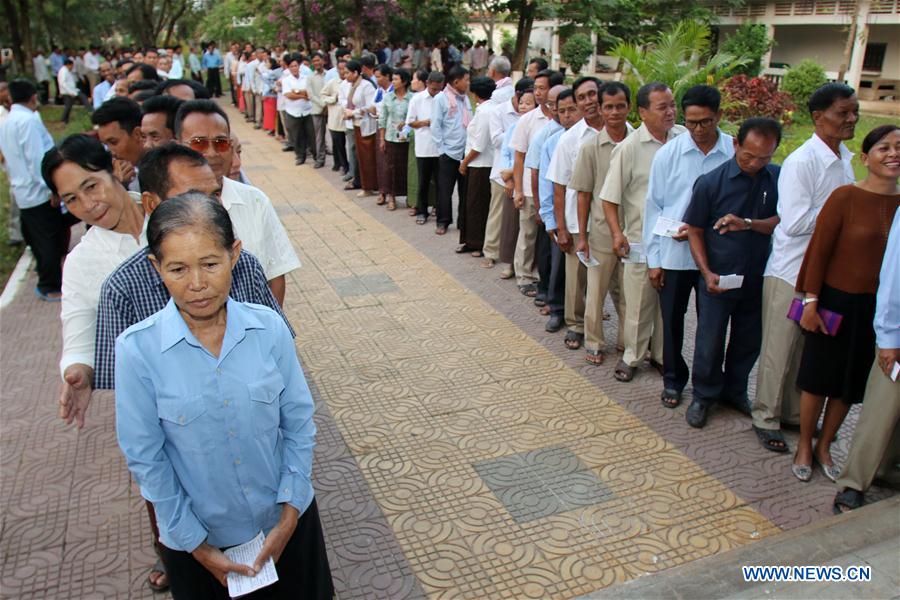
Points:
[(80, 121)]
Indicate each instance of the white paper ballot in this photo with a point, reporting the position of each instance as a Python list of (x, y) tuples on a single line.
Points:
[(588, 262), (245, 554), (731, 282), (667, 227), (635, 255), (895, 372)]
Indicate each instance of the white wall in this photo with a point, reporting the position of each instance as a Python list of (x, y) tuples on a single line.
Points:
[(890, 35)]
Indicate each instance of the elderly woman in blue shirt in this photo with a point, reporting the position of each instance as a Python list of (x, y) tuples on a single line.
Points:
[(215, 418)]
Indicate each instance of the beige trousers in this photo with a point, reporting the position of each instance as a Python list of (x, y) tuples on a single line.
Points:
[(876, 440), (603, 278), (777, 394), (576, 286), (491, 248), (524, 258), (643, 319)]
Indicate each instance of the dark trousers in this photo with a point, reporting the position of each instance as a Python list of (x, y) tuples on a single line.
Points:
[(46, 231), (744, 312), (68, 101), (542, 253), (339, 150), (44, 91), (300, 133), (320, 123), (556, 286), (303, 570), (233, 88), (428, 170), (673, 302), (448, 177), (213, 83)]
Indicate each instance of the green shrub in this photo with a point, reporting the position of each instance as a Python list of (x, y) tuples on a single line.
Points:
[(577, 50), (800, 82), (749, 40)]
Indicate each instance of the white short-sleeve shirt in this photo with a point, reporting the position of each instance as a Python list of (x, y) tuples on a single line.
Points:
[(563, 163)]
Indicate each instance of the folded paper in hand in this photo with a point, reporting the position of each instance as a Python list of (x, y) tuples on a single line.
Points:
[(667, 227), (245, 554), (588, 262), (731, 282), (635, 255)]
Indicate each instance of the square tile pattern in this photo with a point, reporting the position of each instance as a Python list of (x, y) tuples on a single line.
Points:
[(540, 483)]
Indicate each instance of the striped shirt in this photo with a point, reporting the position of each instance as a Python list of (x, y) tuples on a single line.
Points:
[(135, 291)]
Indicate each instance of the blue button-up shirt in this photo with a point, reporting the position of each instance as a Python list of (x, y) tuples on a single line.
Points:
[(447, 132), (211, 60), (887, 303), (100, 91), (676, 167), (23, 141), (728, 190), (545, 186), (56, 62), (533, 156), (215, 443)]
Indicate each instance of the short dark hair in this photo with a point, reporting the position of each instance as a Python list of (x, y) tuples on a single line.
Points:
[(153, 169), (643, 95), (142, 85), (582, 80), (541, 63), (761, 125), (524, 84), (124, 111), (482, 86), (554, 78), (147, 72), (876, 135), (827, 95), (422, 75), (207, 107), (367, 61), (354, 65), (436, 77), (404, 76), (143, 96), (21, 90), (385, 70), (456, 73), (200, 91), (340, 52), (705, 96), (194, 210), (566, 93), (84, 150), (613, 88), (163, 104)]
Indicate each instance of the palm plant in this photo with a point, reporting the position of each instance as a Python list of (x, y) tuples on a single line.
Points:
[(680, 58)]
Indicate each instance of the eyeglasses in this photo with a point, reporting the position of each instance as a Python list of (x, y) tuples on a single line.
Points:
[(702, 123), (219, 144)]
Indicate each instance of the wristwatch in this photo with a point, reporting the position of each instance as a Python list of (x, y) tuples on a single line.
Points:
[(748, 223), (809, 300)]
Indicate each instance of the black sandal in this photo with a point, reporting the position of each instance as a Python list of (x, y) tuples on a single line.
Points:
[(623, 372), (849, 499), (770, 438), (670, 398), (529, 289), (573, 340), (159, 567)]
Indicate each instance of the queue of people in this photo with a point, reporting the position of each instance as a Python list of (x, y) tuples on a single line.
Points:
[(174, 296)]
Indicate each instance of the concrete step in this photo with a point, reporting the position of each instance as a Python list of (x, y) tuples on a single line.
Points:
[(868, 536)]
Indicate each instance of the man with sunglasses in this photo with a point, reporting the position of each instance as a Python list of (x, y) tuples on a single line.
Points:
[(203, 126), (671, 267)]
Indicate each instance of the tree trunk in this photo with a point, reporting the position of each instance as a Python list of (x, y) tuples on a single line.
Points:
[(523, 32), (304, 23), (848, 46), (20, 34)]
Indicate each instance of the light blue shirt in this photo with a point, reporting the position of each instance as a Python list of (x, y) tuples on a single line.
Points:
[(887, 303), (545, 186), (194, 62), (99, 93), (330, 74), (533, 156), (676, 167), (448, 133), (177, 70), (211, 60), (24, 140), (56, 62), (215, 444)]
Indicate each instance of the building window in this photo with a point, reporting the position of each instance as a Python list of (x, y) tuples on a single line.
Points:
[(874, 58)]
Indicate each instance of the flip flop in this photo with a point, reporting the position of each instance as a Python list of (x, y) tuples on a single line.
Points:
[(594, 357), (769, 439), (848, 499), (159, 567)]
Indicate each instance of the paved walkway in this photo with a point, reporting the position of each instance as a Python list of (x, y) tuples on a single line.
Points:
[(462, 451)]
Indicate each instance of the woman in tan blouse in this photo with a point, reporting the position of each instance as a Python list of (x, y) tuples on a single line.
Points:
[(840, 274)]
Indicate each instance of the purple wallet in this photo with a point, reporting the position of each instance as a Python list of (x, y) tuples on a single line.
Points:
[(831, 319)]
